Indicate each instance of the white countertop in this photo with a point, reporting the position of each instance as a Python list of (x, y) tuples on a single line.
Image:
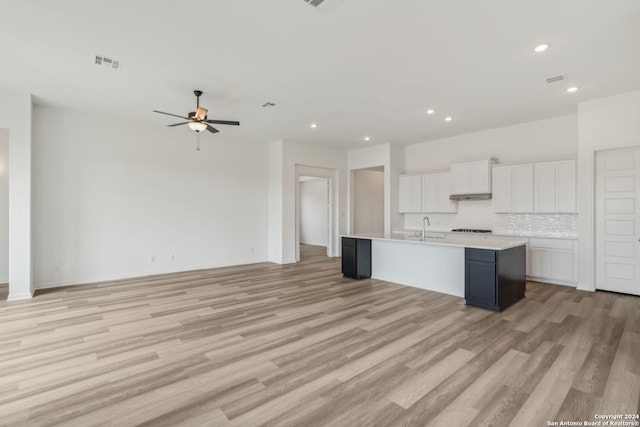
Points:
[(462, 241), (499, 234)]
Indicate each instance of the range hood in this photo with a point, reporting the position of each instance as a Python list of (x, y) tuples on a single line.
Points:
[(476, 196)]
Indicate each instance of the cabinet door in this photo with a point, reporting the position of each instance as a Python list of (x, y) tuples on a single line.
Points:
[(479, 177), (480, 278), (349, 262), (459, 178), (545, 187), (566, 184), (410, 193), (443, 188), (522, 193), (502, 189), (562, 265), (540, 262), (429, 193)]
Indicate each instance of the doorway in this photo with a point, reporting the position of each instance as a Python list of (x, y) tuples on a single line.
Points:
[(4, 214), (617, 220), (314, 216), (368, 200)]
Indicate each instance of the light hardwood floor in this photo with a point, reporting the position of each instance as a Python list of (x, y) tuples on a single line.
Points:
[(300, 345)]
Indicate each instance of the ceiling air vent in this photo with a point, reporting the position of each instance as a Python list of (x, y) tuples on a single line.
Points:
[(103, 61), (555, 79), (324, 5)]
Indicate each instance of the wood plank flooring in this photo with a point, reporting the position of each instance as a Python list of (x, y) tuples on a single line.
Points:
[(299, 345)]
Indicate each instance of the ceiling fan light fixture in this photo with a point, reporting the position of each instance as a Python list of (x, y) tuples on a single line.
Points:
[(197, 126)]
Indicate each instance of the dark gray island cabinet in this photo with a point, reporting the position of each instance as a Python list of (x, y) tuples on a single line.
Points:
[(356, 258), (494, 279)]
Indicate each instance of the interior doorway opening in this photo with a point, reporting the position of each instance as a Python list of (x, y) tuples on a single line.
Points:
[(330, 177), (368, 200), (314, 215)]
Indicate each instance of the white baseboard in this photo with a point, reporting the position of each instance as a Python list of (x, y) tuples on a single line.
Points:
[(114, 277), (17, 297)]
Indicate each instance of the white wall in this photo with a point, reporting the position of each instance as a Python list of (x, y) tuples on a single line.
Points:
[(110, 195), (4, 206), (368, 203), (313, 212), (605, 123), (549, 139), (15, 115)]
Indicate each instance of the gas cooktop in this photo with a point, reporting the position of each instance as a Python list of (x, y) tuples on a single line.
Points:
[(470, 230)]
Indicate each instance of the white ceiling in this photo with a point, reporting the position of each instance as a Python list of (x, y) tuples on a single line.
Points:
[(369, 67)]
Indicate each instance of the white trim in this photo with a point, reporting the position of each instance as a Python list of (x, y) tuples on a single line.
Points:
[(17, 297), (126, 276)]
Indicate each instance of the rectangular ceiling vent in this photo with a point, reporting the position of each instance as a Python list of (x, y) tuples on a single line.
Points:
[(555, 79), (103, 61), (324, 5)]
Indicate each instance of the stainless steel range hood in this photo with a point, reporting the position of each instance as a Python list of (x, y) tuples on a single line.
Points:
[(477, 196)]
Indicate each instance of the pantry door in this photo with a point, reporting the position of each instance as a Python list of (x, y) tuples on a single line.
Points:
[(618, 220)]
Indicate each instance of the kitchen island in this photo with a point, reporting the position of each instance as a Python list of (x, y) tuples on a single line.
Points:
[(489, 274)]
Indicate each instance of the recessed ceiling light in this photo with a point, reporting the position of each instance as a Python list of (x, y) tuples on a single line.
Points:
[(572, 89), (313, 125), (367, 138), (541, 47), (448, 119), (431, 111)]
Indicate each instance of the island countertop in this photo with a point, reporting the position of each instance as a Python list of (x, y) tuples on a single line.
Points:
[(462, 241)]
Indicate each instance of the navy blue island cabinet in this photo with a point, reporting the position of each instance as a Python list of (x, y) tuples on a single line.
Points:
[(356, 258), (495, 279)]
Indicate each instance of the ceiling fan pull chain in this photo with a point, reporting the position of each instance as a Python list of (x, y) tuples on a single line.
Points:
[(198, 141)]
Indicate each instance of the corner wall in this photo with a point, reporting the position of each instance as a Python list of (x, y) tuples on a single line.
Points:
[(15, 115)]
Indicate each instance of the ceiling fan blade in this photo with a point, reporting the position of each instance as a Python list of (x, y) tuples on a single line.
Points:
[(224, 122), (201, 113), (169, 114), (212, 129), (178, 124)]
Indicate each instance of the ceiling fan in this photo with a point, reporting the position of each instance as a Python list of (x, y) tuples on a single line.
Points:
[(197, 120)]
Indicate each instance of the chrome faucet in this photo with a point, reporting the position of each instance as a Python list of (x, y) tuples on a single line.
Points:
[(424, 227)]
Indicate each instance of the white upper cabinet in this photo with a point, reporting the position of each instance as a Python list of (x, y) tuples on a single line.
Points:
[(471, 177), (410, 193), (513, 189), (555, 187), (436, 189)]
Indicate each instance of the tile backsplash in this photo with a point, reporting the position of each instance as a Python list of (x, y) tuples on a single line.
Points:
[(479, 214)]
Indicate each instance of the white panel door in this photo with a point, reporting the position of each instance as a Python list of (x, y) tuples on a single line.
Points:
[(502, 189), (443, 189), (618, 220), (429, 193), (566, 184), (545, 187), (522, 195), (410, 193)]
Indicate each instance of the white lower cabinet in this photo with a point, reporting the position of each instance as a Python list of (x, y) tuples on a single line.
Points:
[(553, 260)]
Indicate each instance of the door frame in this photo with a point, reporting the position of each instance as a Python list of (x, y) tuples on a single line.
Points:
[(332, 218)]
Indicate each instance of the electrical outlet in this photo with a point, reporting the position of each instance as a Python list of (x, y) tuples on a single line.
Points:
[(153, 258), (56, 269), (173, 257), (251, 250)]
